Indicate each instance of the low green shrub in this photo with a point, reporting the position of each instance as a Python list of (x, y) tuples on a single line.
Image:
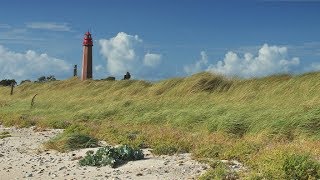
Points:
[(241, 151), (26, 120), (165, 149), (71, 141), (209, 151), (236, 127), (78, 141), (170, 148), (220, 172), (59, 124), (282, 129), (301, 167), (112, 156), (311, 126)]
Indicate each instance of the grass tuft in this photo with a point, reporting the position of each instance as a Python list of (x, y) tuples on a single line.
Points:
[(4, 134), (68, 142)]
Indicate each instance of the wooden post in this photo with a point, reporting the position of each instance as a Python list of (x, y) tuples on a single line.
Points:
[(32, 101), (75, 73), (12, 85)]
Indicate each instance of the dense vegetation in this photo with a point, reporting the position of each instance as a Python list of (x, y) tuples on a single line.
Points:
[(270, 124), (8, 82), (112, 156)]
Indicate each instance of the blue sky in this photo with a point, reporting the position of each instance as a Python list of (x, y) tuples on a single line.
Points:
[(159, 39)]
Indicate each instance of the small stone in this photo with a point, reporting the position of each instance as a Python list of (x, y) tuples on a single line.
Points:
[(61, 168), (29, 175), (224, 161), (139, 174), (76, 158), (41, 171)]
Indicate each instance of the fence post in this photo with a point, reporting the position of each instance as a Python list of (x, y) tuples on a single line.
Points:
[(75, 73), (12, 85)]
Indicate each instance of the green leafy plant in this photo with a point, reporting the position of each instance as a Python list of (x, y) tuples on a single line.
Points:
[(112, 156), (301, 167)]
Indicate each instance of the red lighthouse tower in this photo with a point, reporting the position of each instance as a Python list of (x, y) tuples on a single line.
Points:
[(87, 57)]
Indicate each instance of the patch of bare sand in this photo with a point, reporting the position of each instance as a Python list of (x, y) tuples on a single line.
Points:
[(22, 157)]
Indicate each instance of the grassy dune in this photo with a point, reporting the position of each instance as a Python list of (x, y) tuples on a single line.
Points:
[(270, 124)]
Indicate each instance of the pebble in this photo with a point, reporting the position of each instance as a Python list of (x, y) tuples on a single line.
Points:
[(29, 175), (41, 171), (62, 168)]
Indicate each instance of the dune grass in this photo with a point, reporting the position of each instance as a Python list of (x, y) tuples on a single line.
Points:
[(253, 120), (4, 134)]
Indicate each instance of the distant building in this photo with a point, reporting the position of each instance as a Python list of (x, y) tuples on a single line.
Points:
[(87, 57), (127, 76)]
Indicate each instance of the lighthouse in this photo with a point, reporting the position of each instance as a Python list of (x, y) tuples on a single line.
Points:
[(87, 57)]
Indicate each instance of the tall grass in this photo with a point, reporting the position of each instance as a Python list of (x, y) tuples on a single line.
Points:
[(209, 115)]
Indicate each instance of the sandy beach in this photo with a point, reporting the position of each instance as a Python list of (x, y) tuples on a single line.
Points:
[(22, 156)]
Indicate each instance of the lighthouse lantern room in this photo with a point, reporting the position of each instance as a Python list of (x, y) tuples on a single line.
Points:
[(87, 57)]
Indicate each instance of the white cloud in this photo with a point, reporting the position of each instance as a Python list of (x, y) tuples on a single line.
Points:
[(52, 26), (124, 53), (30, 65), (198, 66), (98, 67), (269, 60), (315, 67), (152, 60), (120, 52)]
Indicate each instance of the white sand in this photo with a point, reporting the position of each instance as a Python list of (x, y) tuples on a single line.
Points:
[(23, 157)]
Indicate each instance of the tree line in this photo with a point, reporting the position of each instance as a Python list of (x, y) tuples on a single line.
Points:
[(9, 82)]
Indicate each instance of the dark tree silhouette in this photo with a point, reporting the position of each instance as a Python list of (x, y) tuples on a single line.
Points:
[(25, 81), (46, 79), (8, 82)]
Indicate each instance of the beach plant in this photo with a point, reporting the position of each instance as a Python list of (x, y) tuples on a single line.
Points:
[(112, 156)]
